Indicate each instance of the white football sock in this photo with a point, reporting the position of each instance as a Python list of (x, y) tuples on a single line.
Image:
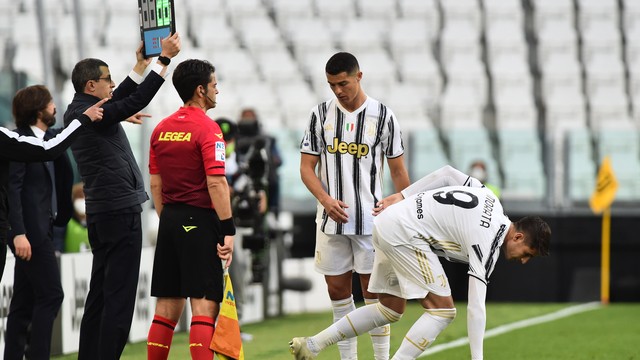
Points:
[(424, 332), (348, 347), (380, 337), (356, 323)]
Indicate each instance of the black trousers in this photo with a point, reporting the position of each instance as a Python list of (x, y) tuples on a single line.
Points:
[(116, 244), (37, 296), (3, 251)]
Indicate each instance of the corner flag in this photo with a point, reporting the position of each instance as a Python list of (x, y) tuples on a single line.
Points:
[(226, 341)]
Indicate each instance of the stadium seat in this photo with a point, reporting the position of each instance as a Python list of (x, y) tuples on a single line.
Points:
[(633, 47), (604, 71), (288, 10), (360, 36), (409, 35), (610, 109), (409, 103), (468, 72), (296, 100), (278, 66), (203, 10), (459, 39), (426, 150), (515, 110), (380, 9), (594, 11), (214, 34), (556, 38), (308, 35), (560, 72), (631, 14), (261, 96), (235, 66), (118, 34), (377, 68), (546, 12), (426, 10), (565, 109), (503, 10), (462, 11), (581, 176), (420, 68), (336, 13), (521, 159), (601, 38), (292, 187), (461, 107), (259, 34), (238, 11), (312, 64), (471, 144), (511, 73), (505, 38)]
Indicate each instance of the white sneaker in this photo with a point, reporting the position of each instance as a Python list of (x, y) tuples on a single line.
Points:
[(299, 350)]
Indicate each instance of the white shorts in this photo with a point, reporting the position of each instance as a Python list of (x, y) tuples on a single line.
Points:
[(409, 271), (338, 254)]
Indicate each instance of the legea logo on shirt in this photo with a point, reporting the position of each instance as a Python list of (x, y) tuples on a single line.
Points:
[(174, 136)]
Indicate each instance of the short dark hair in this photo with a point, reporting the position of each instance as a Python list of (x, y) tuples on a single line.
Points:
[(189, 74), (28, 102), (85, 70), (537, 233), (342, 62)]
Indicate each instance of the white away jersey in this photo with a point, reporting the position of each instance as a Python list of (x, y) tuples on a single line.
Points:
[(459, 223), (352, 147)]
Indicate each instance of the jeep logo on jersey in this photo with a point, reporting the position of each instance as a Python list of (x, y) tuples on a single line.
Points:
[(359, 150)]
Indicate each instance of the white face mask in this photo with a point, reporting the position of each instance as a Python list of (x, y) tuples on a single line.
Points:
[(479, 173), (79, 206)]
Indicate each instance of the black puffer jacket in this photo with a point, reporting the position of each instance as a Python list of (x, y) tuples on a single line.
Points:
[(111, 176)]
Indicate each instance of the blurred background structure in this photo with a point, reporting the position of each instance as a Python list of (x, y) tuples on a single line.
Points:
[(539, 90)]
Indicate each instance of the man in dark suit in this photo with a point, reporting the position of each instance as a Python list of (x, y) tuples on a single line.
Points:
[(34, 201), (14, 147), (114, 193)]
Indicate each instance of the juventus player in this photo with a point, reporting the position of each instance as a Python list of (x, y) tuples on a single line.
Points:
[(346, 140), (463, 223)]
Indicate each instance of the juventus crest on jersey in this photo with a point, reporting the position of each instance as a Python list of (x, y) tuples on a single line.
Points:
[(352, 147)]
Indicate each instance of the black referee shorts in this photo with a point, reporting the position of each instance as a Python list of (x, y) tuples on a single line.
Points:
[(186, 262)]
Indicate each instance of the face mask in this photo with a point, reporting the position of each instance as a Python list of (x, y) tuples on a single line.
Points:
[(479, 174), (231, 147), (79, 206)]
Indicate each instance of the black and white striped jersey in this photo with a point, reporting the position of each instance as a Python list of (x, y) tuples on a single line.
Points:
[(352, 147)]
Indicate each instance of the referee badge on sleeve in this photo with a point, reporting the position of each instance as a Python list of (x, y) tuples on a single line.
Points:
[(220, 151)]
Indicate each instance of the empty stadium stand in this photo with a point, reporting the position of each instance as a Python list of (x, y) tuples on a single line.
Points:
[(541, 90)]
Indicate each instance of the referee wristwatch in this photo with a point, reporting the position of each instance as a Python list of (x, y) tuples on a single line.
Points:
[(164, 60)]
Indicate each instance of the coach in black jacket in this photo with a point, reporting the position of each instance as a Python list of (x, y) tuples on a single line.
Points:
[(114, 193), (14, 147)]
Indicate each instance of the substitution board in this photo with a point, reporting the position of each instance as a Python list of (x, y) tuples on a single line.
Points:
[(157, 21)]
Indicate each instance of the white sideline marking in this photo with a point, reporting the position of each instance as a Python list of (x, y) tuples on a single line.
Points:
[(516, 325)]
